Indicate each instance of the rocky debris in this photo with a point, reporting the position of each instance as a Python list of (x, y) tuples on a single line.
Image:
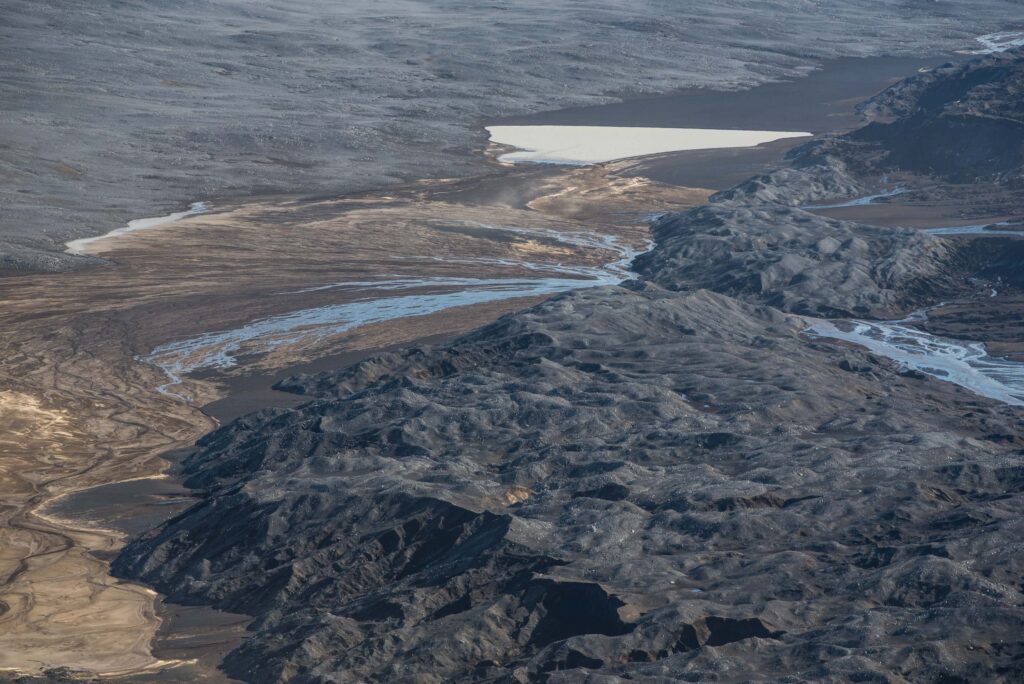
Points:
[(19, 258), (789, 258), (819, 169), (990, 86), (660, 481)]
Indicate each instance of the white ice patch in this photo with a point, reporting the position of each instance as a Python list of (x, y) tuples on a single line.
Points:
[(81, 246), (998, 42), (963, 363), (582, 145)]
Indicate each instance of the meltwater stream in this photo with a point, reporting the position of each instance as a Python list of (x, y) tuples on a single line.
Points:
[(220, 349), (859, 201), (963, 363), (981, 229)]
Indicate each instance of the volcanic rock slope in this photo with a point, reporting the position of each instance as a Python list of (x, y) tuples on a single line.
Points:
[(116, 110), (663, 481)]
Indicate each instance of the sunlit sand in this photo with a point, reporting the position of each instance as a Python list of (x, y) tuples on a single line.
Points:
[(595, 144)]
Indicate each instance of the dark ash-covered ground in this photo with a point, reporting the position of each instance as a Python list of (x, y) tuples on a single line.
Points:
[(663, 481), (115, 111)]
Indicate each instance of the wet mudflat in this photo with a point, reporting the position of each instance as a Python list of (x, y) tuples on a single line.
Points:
[(823, 100), (131, 507)]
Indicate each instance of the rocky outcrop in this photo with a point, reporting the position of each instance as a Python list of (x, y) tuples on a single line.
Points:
[(756, 242), (990, 86), (793, 260), (962, 123), (618, 481)]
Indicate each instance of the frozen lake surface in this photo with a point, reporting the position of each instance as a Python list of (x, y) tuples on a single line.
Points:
[(581, 145)]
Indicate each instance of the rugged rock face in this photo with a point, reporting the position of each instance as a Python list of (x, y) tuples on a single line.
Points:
[(609, 481), (664, 481), (955, 124), (990, 86), (795, 261), (962, 123)]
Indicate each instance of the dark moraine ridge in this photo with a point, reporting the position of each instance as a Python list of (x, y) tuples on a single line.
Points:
[(663, 481)]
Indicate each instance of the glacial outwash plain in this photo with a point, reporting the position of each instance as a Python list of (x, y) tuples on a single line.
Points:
[(669, 479), (434, 342)]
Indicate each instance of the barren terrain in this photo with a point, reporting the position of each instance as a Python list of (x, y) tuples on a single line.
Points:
[(114, 110), (752, 464), (723, 468), (81, 405)]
